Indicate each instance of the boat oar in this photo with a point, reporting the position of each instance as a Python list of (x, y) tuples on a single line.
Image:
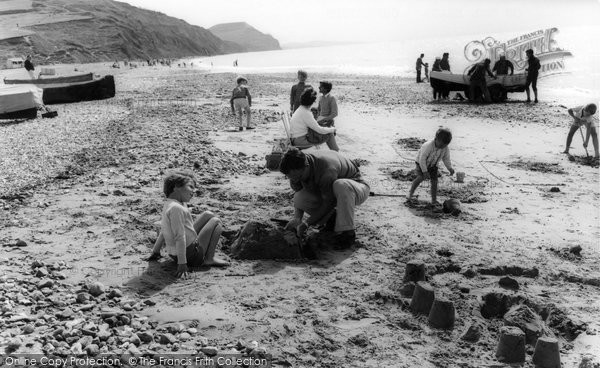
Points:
[(583, 139)]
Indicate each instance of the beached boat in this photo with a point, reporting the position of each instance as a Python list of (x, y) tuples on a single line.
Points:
[(461, 82), (20, 102), (97, 89), (53, 80)]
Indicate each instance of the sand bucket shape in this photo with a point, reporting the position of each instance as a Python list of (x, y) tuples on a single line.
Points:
[(546, 354), (442, 314), (422, 299), (511, 346)]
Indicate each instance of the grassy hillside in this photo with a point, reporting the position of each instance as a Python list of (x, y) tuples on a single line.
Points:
[(108, 30), (245, 35)]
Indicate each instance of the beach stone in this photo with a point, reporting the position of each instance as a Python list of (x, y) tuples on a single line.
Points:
[(20, 243), (133, 350), (103, 335), (472, 333), (509, 283), (145, 336), (92, 349), (37, 263), (45, 284), (77, 349), (85, 341), (414, 271), (27, 329), (546, 354), (259, 240), (469, 273), (452, 206), (555, 189), (528, 321), (511, 345), (41, 272), (184, 336), (167, 338), (82, 298), (96, 288), (115, 293), (209, 350), (135, 339), (576, 250), (174, 327), (422, 298), (192, 331)]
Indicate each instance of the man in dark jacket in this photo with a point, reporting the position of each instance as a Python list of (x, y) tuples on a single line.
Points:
[(328, 187), (29, 67), (445, 65), (477, 73), (501, 67), (418, 66), (533, 67)]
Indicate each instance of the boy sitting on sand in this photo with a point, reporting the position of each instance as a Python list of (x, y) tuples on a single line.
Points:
[(241, 102), (584, 115), (188, 243), (427, 160)]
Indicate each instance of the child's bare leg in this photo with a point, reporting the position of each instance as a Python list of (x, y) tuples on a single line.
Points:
[(415, 185), (248, 116), (208, 238), (434, 186), (594, 135), (570, 137), (202, 220)]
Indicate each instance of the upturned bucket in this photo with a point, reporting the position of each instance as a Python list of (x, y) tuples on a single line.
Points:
[(546, 354), (442, 314), (511, 346), (422, 298)]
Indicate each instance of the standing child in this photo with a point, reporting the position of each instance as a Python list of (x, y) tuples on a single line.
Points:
[(427, 160), (583, 116), (241, 102), (426, 65), (297, 90), (188, 243)]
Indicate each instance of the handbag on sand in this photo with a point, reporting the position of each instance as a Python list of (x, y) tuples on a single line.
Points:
[(317, 138)]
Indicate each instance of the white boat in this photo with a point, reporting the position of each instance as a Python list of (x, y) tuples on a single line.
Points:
[(20, 101)]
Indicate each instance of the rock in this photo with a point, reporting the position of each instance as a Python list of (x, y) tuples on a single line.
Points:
[(115, 293), (36, 263), (361, 340), (77, 349), (45, 284), (174, 328), (12, 346), (125, 320), (145, 336), (469, 273), (20, 243), (576, 250), (452, 206), (133, 350), (555, 189), (149, 302), (41, 272), (167, 338), (27, 329), (528, 321), (127, 307), (82, 298), (509, 283), (103, 335), (472, 333), (464, 288), (184, 336), (112, 321), (209, 350), (135, 340), (85, 341), (192, 331), (92, 349), (96, 288), (260, 240), (66, 313)]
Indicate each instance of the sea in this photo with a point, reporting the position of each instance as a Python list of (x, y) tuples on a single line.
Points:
[(572, 75)]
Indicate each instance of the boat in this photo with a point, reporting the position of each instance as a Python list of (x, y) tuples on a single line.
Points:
[(461, 82), (97, 89), (54, 80), (20, 102)]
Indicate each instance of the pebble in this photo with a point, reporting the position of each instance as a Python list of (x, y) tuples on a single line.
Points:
[(209, 350), (167, 338), (115, 293), (184, 336), (145, 336), (20, 243), (36, 264), (77, 349), (85, 341), (191, 331), (27, 329), (509, 283), (92, 349), (103, 335), (96, 289), (41, 272), (135, 340), (472, 334), (45, 284), (82, 298)]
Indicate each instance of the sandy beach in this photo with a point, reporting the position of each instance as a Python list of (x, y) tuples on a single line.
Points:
[(82, 193)]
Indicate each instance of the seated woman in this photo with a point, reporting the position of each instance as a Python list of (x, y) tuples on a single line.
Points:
[(188, 242), (303, 119)]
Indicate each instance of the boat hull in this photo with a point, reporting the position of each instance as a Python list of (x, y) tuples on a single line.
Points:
[(87, 91), (43, 81)]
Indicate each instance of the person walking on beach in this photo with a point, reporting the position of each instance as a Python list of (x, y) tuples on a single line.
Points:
[(188, 242), (418, 66), (29, 67), (584, 116), (429, 155), (241, 101), (426, 66), (436, 84), (533, 67), (327, 111), (297, 90), (328, 187), (477, 73)]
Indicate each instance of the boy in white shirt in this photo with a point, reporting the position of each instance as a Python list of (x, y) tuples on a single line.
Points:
[(188, 243), (427, 160)]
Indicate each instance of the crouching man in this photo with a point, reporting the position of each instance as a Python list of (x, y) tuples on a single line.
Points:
[(328, 186)]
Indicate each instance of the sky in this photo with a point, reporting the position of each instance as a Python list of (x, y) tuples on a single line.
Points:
[(380, 20)]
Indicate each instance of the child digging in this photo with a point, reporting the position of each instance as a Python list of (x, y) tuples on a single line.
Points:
[(427, 160), (583, 116), (241, 102), (188, 243)]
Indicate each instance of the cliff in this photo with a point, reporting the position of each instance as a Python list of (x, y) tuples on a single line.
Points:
[(99, 30), (246, 36)]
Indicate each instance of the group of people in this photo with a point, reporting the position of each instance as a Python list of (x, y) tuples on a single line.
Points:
[(478, 90), (328, 186)]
